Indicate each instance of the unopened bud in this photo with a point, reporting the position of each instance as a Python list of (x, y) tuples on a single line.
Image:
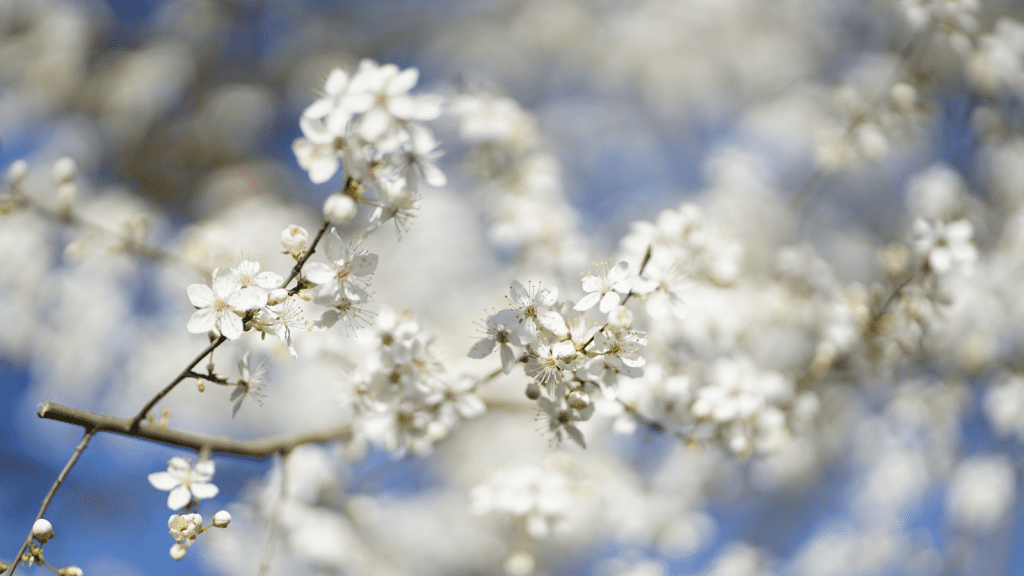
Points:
[(64, 170), (42, 530), (339, 208), (578, 399), (66, 194), (295, 238), (178, 551), (532, 390), (222, 519), (17, 172), (277, 296), (70, 571), (620, 319)]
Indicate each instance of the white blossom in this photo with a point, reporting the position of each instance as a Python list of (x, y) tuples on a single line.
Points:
[(185, 482)]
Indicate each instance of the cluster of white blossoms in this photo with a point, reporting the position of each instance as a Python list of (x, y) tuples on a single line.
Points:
[(371, 127), (188, 485), (539, 497), (567, 358), (403, 395), (237, 296)]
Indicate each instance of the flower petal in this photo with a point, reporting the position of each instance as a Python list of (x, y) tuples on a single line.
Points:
[(202, 321), (178, 498), (204, 490), (200, 295), (163, 481)]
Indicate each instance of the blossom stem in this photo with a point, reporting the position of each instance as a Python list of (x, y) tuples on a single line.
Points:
[(167, 389), (302, 261), (146, 251), (268, 548), (643, 266), (90, 431), (253, 448)]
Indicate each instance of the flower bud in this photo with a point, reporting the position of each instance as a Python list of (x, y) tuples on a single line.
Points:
[(620, 319), (70, 571), (178, 551), (42, 530), (64, 170), (578, 399), (339, 208), (277, 296), (17, 172), (222, 519), (532, 390), (295, 238)]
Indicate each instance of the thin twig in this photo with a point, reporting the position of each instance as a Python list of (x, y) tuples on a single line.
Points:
[(219, 445), (90, 431), (147, 251), (268, 548), (302, 261), (167, 389)]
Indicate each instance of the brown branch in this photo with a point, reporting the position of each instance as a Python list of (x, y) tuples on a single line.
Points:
[(135, 422), (221, 445), (90, 431)]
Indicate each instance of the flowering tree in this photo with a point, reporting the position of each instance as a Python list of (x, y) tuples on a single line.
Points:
[(736, 292)]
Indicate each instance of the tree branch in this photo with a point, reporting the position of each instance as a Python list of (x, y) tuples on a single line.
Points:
[(90, 431), (221, 445)]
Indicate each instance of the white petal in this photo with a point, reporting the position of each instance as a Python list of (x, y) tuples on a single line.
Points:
[(587, 302), (373, 124), (318, 109), (618, 274), (547, 296), (336, 82), (268, 280), (363, 265), (323, 169), (200, 295), (508, 358), (319, 273), (335, 249), (519, 293), (202, 321), (163, 481), (527, 331), (609, 301), (592, 284), (433, 175), (482, 348), (204, 490), (576, 435), (230, 325), (178, 498), (247, 298), (554, 322), (403, 82)]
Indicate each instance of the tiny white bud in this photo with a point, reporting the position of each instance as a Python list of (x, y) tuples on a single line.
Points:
[(579, 399), (295, 238), (521, 563), (620, 318), (339, 208), (277, 296), (178, 551), (42, 530), (64, 170), (222, 519), (17, 171), (66, 194), (904, 96), (532, 390), (70, 571)]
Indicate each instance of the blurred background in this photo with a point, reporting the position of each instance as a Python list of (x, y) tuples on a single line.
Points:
[(190, 107)]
